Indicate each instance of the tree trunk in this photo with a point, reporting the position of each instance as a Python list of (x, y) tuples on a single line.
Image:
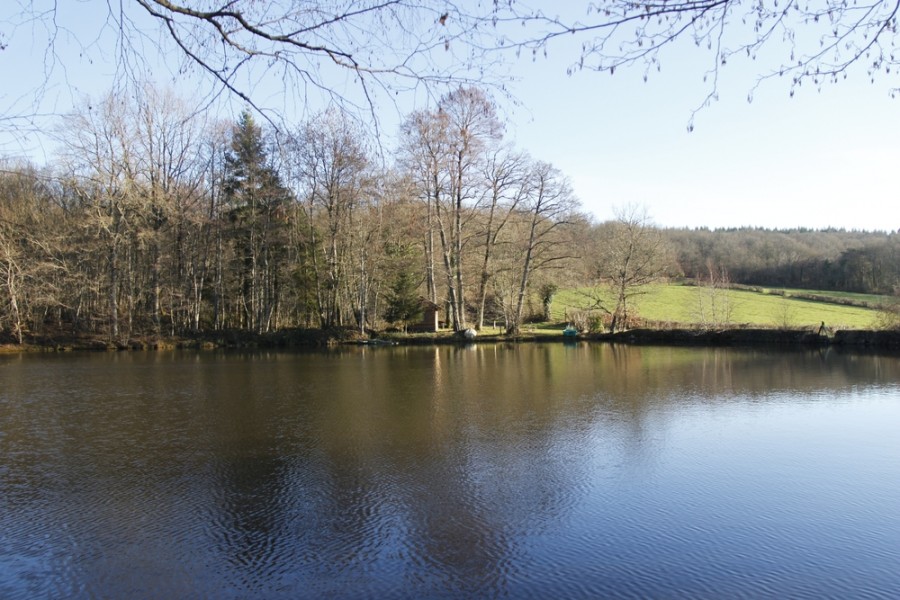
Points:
[(12, 290), (526, 271)]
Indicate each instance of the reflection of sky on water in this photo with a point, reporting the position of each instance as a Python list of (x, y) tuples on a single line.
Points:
[(479, 471)]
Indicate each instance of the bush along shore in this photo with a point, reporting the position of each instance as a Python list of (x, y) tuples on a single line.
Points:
[(311, 338)]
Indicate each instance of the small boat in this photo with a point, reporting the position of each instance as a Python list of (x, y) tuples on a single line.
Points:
[(570, 331)]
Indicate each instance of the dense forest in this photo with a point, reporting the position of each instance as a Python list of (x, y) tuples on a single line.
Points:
[(154, 220)]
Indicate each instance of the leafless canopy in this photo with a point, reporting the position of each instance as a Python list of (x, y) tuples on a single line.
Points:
[(804, 42), (360, 53), (355, 54)]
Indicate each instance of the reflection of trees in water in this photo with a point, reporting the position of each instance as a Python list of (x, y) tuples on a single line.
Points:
[(421, 467), (431, 464), (248, 521), (476, 445), (445, 454), (435, 471), (716, 374)]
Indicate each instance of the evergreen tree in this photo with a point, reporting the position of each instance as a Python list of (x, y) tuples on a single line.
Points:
[(258, 213), (403, 301)]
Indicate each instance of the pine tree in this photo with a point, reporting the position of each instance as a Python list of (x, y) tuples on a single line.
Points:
[(403, 302), (258, 213)]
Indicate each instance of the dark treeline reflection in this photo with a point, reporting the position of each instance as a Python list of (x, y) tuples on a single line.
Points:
[(406, 472)]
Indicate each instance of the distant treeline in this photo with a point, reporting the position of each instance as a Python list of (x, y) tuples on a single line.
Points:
[(830, 259)]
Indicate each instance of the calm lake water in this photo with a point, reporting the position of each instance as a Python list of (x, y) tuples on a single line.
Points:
[(541, 471)]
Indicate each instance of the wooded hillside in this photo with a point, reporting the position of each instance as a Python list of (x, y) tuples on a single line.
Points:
[(833, 259)]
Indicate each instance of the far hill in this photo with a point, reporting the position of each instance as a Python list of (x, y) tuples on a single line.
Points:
[(832, 259)]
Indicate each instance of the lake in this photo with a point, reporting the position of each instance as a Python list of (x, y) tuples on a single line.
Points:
[(486, 471)]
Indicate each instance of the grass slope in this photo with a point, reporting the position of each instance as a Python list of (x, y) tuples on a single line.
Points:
[(692, 305)]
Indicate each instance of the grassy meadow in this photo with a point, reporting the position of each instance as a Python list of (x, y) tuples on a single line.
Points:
[(686, 305)]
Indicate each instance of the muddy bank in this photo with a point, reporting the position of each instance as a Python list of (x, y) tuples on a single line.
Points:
[(288, 338), (306, 338), (874, 339)]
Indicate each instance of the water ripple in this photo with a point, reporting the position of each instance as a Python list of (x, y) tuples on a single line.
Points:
[(307, 476)]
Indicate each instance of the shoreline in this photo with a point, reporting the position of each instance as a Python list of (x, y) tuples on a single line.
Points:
[(317, 338)]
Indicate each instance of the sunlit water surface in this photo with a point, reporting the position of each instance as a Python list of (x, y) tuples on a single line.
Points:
[(543, 471)]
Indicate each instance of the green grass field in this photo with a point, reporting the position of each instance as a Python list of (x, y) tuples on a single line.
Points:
[(691, 305)]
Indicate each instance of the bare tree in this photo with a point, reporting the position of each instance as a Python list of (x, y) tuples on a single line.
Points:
[(714, 304), (211, 259), (31, 258), (447, 150), (633, 254), (507, 184), (889, 315), (472, 129), (99, 153), (170, 174), (549, 206), (332, 177), (423, 154)]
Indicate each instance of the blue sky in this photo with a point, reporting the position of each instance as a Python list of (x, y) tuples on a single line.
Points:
[(828, 158), (824, 158)]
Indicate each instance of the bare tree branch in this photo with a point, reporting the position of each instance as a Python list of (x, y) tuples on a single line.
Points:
[(361, 54)]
